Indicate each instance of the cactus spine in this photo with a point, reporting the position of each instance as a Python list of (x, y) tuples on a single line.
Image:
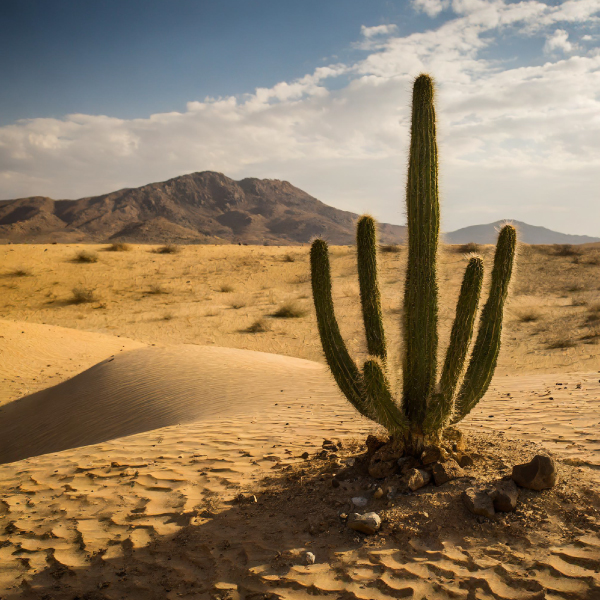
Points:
[(424, 407)]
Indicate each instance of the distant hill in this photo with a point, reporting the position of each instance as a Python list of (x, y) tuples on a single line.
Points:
[(205, 207), (528, 234)]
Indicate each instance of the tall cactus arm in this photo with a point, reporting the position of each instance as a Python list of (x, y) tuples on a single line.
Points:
[(385, 411), (421, 291), (487, 346), (344, 370), (370, 298), (440, 406)]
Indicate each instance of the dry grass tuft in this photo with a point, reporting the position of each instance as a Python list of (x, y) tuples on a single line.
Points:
[(168, 249), (226, 288), (259, 326), (86, 257), (18, 273), (288, 258), (565, 250), (119, 247), (529, 315), (81, 295), (238, 303), (289, 310)]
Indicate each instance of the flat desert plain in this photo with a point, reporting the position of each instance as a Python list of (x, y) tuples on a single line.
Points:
[(163, 416)]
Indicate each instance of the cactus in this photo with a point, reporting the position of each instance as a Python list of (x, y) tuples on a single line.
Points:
[(425, 405)]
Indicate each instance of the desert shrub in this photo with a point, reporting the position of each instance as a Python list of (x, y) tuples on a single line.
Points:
[(259, 326), (168, 249), (86, 257), (289, 258), (157, 289), (19, 273), (226, 288), (168, 317), (82, 295), (392, 248), (566, 250), (470, 248), (237, 304), (118, 247), (559, 343), (289, 310)]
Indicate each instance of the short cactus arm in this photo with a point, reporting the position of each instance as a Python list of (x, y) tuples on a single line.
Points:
[(440, 407), (343, 368), (487, 346), (379, 397), (421, 291), (370, 298)]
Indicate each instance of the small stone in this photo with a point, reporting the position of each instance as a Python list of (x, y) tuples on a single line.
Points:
[(465, 461), (378, 493), (433, 454), (368, 523), (447, 471), (538, 474), (304, 455), (335, 483), (359, 501), (478, 502), (505, 495), (309, 558), (417, 478)]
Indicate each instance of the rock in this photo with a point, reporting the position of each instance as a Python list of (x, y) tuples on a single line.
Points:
[(505, 495), (406, 463), (417, 478), (329, 445), (374, 443), (456, 438), (478, 502), (447, 471), (368, 523), (465, 460), (433, 454), (378, 493), (304, 455), (384, 461), (309, 558), (538, 474), (359, 501)]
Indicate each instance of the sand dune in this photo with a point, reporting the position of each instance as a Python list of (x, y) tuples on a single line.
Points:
[(34, 356), (151, 388)]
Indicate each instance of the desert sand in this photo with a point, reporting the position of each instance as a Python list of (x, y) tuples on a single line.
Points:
[(162, 454)]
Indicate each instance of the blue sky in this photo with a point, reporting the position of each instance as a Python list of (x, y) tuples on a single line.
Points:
[(104, 95)]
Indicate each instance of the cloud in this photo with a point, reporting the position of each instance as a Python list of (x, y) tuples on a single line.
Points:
[(378, 30), (559, 40), (519, 142), (430, 7)]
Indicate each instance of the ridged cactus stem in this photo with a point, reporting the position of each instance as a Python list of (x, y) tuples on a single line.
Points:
[(421, 291), (343, 368), (487, 345), (370, 298), (440, 406), (381, 401)]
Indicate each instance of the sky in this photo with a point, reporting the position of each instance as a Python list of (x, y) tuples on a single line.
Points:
[(97, 96)]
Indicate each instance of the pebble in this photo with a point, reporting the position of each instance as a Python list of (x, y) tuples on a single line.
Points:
[(368, 523), (359, 501), (309, 558)]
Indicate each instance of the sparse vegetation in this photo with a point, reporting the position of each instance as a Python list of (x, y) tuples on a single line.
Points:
[(157, 289), (289, 258), (19, 273), (529, 315), (470, 248), (563, 342), (168, 317), (168, 249), (226, 288), (565, 250), (289, 310), (82, 295), (86, 257), (391, 248), (259, 326), (237, 303), (118, 247)]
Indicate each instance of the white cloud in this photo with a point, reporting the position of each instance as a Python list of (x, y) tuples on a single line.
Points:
[(519, 142), (431, 7), (559, 40), (377, 30)]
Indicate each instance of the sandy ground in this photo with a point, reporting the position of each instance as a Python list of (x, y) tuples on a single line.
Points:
[(176, 432)]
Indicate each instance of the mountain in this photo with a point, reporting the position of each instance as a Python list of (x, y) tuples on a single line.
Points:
[(204, 207), (528, 234)]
